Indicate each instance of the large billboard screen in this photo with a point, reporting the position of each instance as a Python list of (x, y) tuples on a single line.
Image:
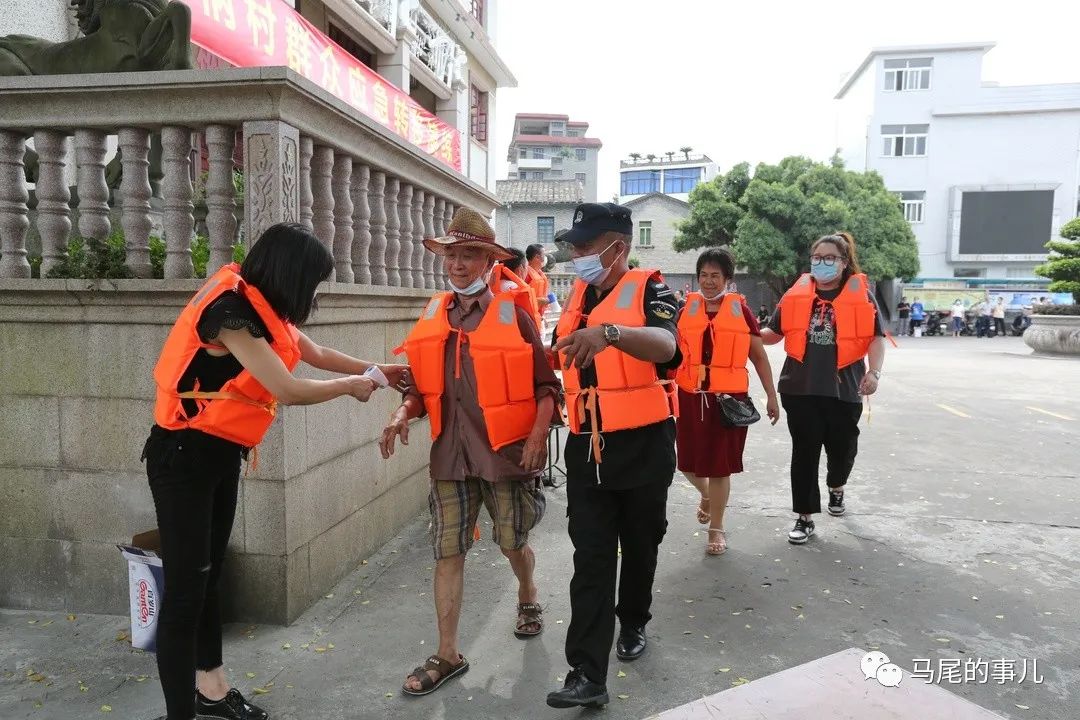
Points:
[(1012, 222)]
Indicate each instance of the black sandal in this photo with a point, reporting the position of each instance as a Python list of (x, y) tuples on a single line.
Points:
[(529, 614), (439, 665)]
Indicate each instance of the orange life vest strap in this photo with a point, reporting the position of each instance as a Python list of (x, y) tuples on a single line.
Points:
[(270, 407), (586, 401)]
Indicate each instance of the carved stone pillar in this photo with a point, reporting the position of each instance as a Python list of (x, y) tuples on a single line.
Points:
[(220, 196), (428, 258), (135, 192), (343, 218), (377, 249), (404, 259), (53, 196), (440, 231), (361, 181), (14, 220), (448, 215), (176, 193), (271, 176), (393, 225), (322, 167), (93, 190), (307, 148), (419, 198)]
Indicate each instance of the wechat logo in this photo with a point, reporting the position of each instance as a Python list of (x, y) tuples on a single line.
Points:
[(876, 665)]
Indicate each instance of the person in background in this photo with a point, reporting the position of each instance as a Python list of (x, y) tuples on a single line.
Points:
[(227, 364), (903, 312), (998, 313), (763, 315), (918, 315), (535, 278), (507, 275), (717, 335), (617, 345), (981, 310), (479, 374), (830, 325), (957, 317)]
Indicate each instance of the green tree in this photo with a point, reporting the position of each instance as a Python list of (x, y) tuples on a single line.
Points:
[(770, 219), (1063, 267), (686, 150)]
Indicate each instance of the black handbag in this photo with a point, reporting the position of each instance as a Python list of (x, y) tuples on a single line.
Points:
[(738, 413)]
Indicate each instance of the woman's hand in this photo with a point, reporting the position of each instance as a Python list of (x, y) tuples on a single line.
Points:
[(869, 384), (361, 387), (396, 375), (398, 427), (772, 408), (534, 455)]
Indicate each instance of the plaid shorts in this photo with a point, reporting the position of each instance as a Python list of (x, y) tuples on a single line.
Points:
[(515, 507)]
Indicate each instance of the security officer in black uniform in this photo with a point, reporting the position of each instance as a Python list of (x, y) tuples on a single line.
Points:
[(616, 480)]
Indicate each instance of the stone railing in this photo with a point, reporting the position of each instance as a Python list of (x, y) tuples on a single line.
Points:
[(384, 11), (307, 157), (433, 46)]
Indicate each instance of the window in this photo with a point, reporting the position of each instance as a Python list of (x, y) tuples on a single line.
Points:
[(536, 175), (555, 173), (904, 140), (523, 153), (581, 178), (477, 9), (969, 272), (538, 153), (351, 46), (644, 237), (1019, 272), (556, 159), (639, 182), (913, 203), (582, 154), (911, 74), (545, 229), (558, 129), (681, 180), (478, 114)]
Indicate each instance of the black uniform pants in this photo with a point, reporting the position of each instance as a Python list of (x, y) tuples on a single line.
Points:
[(814, 422), (194, 478), (601, 521)]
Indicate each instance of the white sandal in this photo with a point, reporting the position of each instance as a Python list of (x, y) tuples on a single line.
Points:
[(720, 546)]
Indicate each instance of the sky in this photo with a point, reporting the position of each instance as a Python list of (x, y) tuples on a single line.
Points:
[(739, 81)]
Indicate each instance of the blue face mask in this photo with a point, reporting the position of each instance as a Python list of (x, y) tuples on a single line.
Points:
[(824, 273), (591, 269)]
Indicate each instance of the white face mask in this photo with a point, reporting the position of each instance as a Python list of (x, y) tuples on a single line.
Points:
[(715, 297), (474, 287)]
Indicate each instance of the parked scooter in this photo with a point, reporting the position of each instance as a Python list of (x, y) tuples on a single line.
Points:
[(936, 323)]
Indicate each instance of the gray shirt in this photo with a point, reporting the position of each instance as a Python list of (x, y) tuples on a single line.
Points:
[(817, 373)]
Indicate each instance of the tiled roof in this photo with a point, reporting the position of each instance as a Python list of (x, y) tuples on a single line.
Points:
[(565, 192)]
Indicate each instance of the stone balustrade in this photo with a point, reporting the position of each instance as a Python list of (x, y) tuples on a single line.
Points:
[(307, 157)]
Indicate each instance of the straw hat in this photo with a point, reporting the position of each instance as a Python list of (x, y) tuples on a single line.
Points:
[(468, 228)]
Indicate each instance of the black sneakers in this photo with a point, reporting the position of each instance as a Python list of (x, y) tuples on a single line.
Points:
[(802, 531), (836, 502), (232, 707)]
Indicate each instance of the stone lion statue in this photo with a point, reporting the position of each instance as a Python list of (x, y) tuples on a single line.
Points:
[(118, 36)]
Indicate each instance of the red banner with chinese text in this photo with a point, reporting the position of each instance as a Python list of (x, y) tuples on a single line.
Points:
[(259, 33)]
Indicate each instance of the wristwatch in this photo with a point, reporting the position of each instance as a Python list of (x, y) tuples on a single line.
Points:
[(875, 373), (611, 334)]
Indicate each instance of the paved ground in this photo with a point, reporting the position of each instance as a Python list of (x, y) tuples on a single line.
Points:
[(959, 543)]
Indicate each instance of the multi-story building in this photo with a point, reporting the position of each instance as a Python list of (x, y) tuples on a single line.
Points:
[(674, 176), (553, 147), (986, 174), (655, 217)]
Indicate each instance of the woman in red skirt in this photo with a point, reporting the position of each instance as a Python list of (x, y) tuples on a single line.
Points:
[(717, 335)]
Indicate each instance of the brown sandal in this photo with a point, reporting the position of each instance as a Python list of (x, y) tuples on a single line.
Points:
[(427, 685), (529, 614), (703, 515)]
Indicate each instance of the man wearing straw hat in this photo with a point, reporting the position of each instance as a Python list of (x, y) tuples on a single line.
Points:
[(479, 373)]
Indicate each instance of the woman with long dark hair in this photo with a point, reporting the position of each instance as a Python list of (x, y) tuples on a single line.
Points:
[(830, 325), (718, 334), (225, 367)]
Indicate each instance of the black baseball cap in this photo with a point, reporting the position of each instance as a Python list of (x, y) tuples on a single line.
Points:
[(592, 219)]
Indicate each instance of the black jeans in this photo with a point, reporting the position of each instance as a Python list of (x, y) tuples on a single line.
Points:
[(999, 325), (602, 520), (194, 479), (815, 421)]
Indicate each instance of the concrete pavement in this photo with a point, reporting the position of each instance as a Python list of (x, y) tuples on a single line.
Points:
[(959, 543)]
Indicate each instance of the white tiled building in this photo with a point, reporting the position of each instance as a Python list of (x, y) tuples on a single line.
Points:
[(987, 174), (673, 176)]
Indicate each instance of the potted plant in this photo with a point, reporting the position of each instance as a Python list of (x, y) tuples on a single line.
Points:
[(1056, 328)]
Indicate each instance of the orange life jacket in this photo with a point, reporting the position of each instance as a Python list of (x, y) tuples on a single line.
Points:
[(853, 315), (730, 346), (501, 357), (629, 394), (242, 410), (499, 273), (538, 281)]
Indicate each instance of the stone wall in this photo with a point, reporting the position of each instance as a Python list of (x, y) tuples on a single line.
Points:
[(76, 400)]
